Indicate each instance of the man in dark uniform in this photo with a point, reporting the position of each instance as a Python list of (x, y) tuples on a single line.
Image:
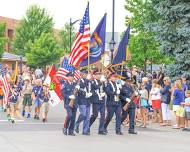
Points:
[(84, 97), (127, 95), (69, 93), (113, 103), (98, 102)]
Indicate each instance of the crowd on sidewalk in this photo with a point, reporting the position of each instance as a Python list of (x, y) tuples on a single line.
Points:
[(134, 97)]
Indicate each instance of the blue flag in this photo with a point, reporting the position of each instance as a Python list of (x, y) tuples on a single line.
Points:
[(97, 43), (122, 52)]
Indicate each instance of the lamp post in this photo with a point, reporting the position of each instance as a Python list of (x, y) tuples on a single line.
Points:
[(21, 59), (70, 31), (112, 42), (112, 47)]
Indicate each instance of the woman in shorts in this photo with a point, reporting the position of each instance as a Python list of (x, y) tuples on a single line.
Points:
[(143, 104), (156, 101)]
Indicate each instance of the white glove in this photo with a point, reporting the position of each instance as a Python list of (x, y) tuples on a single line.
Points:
[(102, 79), (77, 87), (71, 97), (128, 100), (88, 95), (102, 95), (120, 86), (122, 82), (118, 92)]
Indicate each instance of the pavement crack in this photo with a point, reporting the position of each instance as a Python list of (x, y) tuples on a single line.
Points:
[(14, 146)]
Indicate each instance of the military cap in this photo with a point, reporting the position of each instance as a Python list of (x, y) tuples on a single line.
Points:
[(70, 74)]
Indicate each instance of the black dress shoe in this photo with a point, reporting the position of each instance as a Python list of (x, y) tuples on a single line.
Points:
[(77, 130), (132, 132), (119, 133), (35, 116), (89, 131), (71, 134), (106, 131), (102, 133), (86, 134), (65, 131), (43, 120)]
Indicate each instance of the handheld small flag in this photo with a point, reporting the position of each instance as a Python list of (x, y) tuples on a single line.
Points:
[(66, 68)]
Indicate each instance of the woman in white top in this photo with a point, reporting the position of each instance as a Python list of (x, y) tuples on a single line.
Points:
[(155, 97)]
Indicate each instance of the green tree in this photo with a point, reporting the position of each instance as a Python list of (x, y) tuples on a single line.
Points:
[(44, 51), (34, 23), (65, 37), (142, 43), (173, 33), (137, 49), (3, 39)]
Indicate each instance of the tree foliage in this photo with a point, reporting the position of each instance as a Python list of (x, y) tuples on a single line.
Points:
[(44, 51), (65, 37), (139, 55), (34, 23), (3, 39), (142, 44), (173, 30)]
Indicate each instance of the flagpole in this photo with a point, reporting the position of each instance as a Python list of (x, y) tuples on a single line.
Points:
[(122, 68), (88, 58), (102, 62), (89, 48)]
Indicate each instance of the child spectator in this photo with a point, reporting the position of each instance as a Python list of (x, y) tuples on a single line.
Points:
[(36, 92), (13, 99), (27, 101), (45, 102), (187, 111), (178, 98)]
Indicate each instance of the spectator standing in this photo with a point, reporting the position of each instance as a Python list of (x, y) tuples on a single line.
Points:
[(187, 111), (178, 98), (165, 101), (156, 100), (143, 104)]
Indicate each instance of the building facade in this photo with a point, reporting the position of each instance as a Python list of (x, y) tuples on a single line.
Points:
[(10, 30)]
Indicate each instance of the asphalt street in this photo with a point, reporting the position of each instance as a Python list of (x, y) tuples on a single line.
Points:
[(34, 136)]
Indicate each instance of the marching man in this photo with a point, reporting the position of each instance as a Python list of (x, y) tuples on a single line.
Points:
[(69, 92), (98, 101), (84, 97), (113, 103)]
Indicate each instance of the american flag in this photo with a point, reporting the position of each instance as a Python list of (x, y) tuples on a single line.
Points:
[(81, 44), (66, 68), (4, 84)]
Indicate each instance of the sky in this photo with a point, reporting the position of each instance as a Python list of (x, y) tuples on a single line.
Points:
[(63, 10)]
